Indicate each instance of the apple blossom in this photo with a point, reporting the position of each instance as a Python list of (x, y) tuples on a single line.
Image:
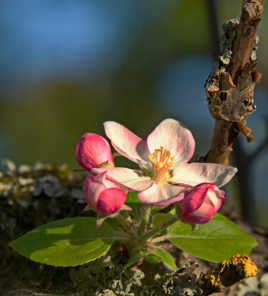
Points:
[(92, 150), (103, 195), (201, 203), (163, 157)]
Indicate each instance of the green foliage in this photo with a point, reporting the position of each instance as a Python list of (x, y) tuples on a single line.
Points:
[(66, 242), (136, 205), (135, 256), (165, 257), (156, 255), (133, 202), (75, 241), (215, 241), (153, 259), (161, 218), (132, 198)]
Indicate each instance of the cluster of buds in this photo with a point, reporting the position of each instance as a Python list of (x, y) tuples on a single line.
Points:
[(100, 193), (165, 176)]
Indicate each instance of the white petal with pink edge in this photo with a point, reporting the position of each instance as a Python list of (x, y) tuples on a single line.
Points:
[(163, 194), (132, 179), (92, 187), (197, 172), (170, 135), (125, 142), (216, 197)]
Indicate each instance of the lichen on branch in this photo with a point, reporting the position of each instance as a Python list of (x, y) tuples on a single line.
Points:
[(230, 87)]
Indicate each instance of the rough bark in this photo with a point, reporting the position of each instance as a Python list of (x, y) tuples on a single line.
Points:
[(230, 87)]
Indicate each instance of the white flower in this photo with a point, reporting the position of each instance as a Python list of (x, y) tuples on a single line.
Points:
[(163, 157)]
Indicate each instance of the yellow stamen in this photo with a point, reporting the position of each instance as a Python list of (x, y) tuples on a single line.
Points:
[(162, 162), (106, 164)]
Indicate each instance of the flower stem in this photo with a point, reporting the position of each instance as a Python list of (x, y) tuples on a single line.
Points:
[(157, 229), (146, 219), (162, 238)]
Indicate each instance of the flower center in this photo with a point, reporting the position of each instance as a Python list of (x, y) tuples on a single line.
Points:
[(162, 162), (106, 164)]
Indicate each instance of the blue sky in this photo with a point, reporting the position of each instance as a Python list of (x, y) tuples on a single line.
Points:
[(42, 36)]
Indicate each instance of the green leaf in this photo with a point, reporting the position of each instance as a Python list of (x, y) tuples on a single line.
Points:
[(165, 257), (66, 242), (135, 257), (216, 240), (161, 218), (153, 259), (156, 209)]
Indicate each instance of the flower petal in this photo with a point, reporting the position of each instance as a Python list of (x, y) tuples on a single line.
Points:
[(162, 195), (197, 172), (93, 150), (201, 215), (201, 203), (125, 142), (92, 187), (110, 201), (170, 135), (128, 178)]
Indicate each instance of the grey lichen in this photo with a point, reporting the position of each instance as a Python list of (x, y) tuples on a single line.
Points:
[(253, 286), (227, 100), (31, 196), (104, 277), (229, 29), (49, 185)]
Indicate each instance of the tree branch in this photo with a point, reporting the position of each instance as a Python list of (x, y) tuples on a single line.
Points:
[(230, 87)]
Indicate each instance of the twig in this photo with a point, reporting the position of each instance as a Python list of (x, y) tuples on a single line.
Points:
[(230, 88), (237, 68)]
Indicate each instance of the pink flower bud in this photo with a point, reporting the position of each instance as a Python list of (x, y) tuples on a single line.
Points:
[(93, 150), (201, 203), (103, 195)]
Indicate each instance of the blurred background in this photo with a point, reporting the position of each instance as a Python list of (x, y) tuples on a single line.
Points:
[(67, 66)]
